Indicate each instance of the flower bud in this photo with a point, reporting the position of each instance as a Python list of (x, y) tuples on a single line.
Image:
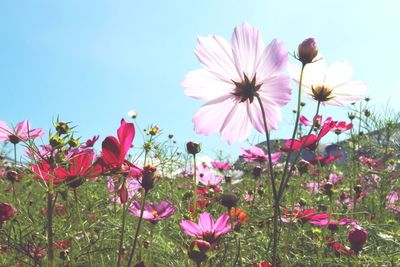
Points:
[(357, 238), (197, 250), (62, 127), (148, 177), (55, 141), (73, 142), (257, 172), (11, 175), (303, 166), (132, 114), (351, 116), (229, 200), (228, 179), (307, 51), (193, 148), (367, 113), (358, 189)]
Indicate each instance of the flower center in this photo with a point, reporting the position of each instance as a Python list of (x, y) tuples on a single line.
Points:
[(14, 139), (246, 89), (322, 92), (154, 213)]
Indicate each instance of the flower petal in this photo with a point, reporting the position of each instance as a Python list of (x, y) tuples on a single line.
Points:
[(247, 48), (201, 84), (206, 222), (191, 229), (215, 54), (272, 61)]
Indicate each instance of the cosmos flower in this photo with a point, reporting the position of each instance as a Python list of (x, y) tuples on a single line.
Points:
[(21, 132), (6, 211), (221, 166), (125, 192), (207, 229), (153, 212), (232, 77), (256, 154), (114, 151), (339, 127), (329, 85)]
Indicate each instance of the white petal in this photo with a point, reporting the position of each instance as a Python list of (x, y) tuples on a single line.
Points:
[(276, 90), (314, 73), (247, 48), (348, 93), (215, 54), (201, 84), (338, 73), (272, 61), (237, 126), (211, 116)]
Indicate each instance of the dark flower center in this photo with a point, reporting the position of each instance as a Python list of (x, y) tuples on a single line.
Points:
[(14, 139), (246, 89), (322, 92)]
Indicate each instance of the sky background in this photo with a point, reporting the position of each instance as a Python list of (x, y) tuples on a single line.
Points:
[(92, 61)]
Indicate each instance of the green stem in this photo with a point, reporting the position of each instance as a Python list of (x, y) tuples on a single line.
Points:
[(285, 180), (285, 169), (276, 197), (194, 185), (137, 229), (123, 219), (82, 225)]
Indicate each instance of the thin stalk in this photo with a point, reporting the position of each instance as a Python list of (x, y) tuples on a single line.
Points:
[(296, 124), (276, 197), (82, 225), (121, 238), (194, 185), (50, 196), (285, 180), (137, 229)]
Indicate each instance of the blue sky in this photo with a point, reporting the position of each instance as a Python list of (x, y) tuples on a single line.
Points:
[(92, 61)]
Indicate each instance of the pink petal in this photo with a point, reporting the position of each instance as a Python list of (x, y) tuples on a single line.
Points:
[(4, 131), (201, 84), (191, 229), (215, 54), (220, 226), (247, 49), (210, 117), (206, 222), (126, 133), (272, 61), (237, 125), (21, 129)]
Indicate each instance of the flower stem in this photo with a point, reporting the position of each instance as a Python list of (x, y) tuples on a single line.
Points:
[(82, 225), (285, 169), (121, 238), (194, 185), (276, 197), (137, 229), (50, 252)]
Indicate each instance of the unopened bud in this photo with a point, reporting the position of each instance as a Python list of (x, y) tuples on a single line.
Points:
[(197, 251), (11, 175), (148, 177), (257, 172), (62, 127), (55, 141), (229, 200), (307, 51), (193, 148), (132, 114)]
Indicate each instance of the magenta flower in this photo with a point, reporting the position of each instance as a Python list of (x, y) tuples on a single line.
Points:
[(256, 154), (153, 213), (21, 132), (206, 229), (330, 86), (340, 127), (357, 237), (6, 211), (316, 123), (232, 76)]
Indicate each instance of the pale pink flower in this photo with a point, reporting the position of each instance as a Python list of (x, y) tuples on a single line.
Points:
[(257, 154), (232, 77), (333, 80), (21, 132)]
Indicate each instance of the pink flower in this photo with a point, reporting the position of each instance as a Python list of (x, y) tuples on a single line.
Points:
[(316, 123), (206, 229), (256, 154), (221, 166), (21, 132), (357, 237), (114, 150), (340, 126), (232, 77), (131, 188), (153, 213), (325, 159), (307, 140), (331, 86), (6, 211)]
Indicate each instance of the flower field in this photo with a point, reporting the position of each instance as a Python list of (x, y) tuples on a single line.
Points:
[(303, 201)]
